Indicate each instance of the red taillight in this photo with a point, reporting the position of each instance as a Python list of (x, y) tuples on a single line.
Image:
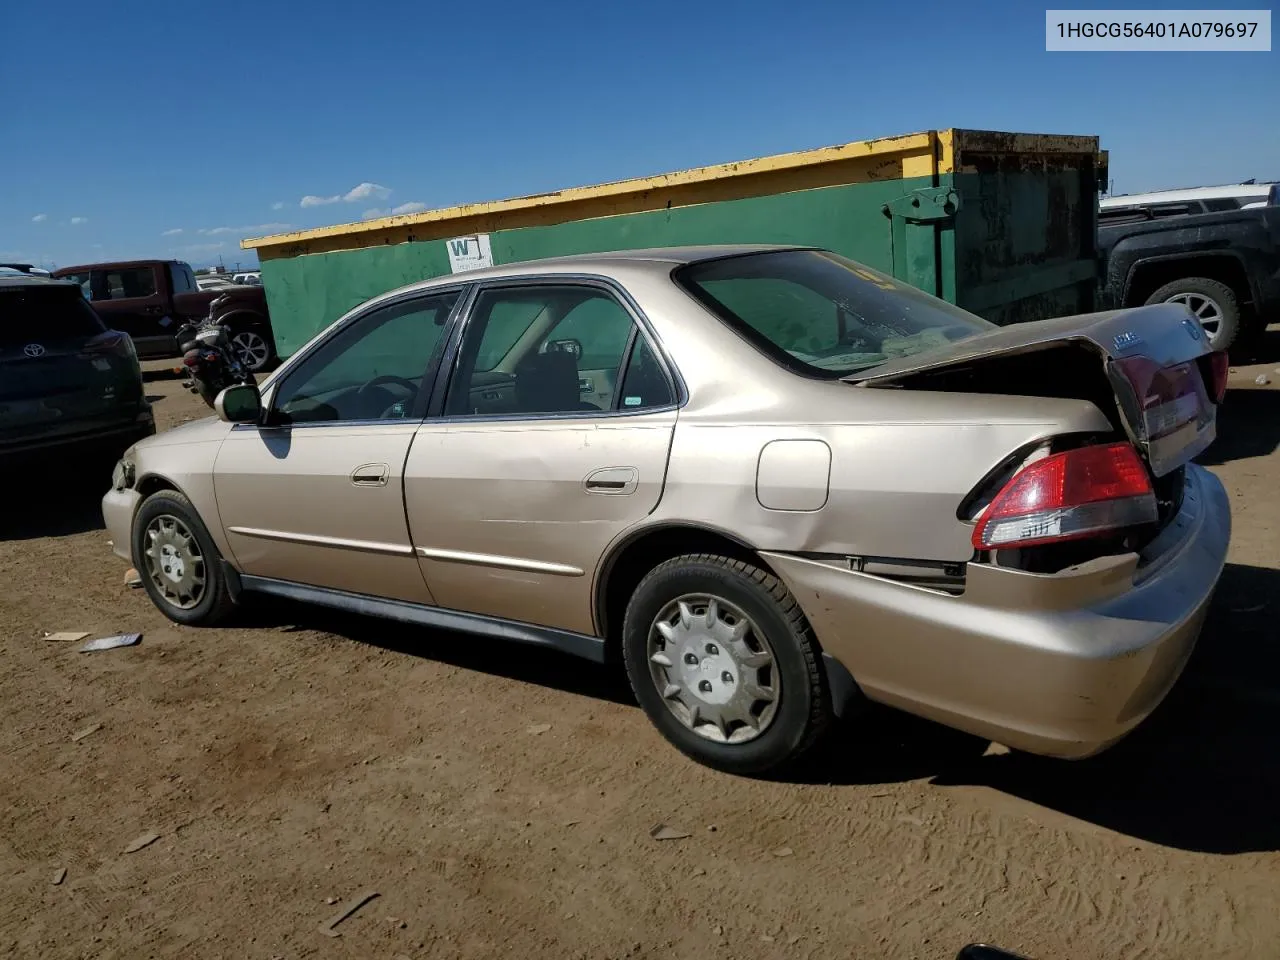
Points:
[(1087, 492), (1214, 368), (111, 342)]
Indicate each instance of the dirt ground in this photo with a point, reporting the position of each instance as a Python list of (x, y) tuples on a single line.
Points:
[(299, 759)]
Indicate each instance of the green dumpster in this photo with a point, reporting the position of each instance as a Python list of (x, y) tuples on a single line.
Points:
[(1003, 224)]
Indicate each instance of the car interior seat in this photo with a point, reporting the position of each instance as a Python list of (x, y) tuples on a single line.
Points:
[(548, 383)]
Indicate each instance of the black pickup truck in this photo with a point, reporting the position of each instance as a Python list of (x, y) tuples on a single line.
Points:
[(1224, 266)]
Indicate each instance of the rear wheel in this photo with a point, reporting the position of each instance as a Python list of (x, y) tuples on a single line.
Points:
[(725, 665), (180, 566), (1214, 304)]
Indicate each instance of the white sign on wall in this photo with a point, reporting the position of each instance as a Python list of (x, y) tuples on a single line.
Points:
[(469, 253)]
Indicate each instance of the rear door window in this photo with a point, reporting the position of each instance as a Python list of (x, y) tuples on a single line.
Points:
[(130, 284), (180, 275), (45, 314)]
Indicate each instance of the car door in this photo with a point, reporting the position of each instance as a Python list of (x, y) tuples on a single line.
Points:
[(132, 299), (315, 494), (551, 439)]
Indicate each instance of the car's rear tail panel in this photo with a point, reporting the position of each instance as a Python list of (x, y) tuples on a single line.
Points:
[(62, 373)]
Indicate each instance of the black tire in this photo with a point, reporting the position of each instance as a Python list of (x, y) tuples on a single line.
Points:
[(803, 711), (215, 603), (1220, 295)]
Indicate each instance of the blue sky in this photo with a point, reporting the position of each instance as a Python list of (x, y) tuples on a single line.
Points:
[(138, 129)]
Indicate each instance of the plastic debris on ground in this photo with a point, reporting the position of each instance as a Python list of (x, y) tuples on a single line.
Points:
[(81, 734), (146, 840), (110, 643), (327, 928)]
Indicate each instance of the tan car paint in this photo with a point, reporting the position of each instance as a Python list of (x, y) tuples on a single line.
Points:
[(181, 459), (500, 521), (542, 526), (323, 505)]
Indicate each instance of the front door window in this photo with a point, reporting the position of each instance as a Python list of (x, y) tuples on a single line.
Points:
[(373, 370)]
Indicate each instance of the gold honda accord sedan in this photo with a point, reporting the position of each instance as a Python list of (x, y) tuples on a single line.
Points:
[(771, 481)]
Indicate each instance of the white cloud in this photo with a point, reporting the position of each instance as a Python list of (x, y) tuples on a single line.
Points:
[(40, 218), (79, 220), (361, 191), (278, 205), (366, 191), (172, 233), (404, 208), (256, 229)]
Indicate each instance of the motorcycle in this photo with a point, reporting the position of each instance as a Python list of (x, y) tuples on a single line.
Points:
[(210, 360)]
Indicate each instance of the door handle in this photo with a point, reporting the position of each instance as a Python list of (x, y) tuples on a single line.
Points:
[(618, 481), (370, 475)]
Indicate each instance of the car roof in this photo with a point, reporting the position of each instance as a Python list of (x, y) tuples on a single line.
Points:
[(16, 279), (114, 264), (655, 259), (1230, 191)]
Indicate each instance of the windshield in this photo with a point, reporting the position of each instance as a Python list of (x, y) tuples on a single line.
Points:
[(821, 314)]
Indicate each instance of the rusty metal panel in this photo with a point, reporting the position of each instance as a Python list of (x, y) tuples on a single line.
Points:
[(1026, 231)]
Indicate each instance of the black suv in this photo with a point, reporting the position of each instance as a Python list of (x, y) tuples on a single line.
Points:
[(67, 383)]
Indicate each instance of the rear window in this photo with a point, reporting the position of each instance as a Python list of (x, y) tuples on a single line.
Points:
[(45, 314), (823, 315)]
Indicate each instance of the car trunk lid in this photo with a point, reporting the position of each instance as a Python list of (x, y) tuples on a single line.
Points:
[(1164, 379)]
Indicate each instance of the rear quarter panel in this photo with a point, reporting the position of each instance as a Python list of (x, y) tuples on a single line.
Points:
[(900, 465), (901, 461)]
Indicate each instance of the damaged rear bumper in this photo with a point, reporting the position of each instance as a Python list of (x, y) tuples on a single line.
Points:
[(1057, 664)]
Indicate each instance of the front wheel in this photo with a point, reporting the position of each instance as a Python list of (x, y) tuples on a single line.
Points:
[(725, 665), (180, 566)]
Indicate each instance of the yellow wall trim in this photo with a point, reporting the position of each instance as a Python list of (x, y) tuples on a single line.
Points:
[(915, 155)]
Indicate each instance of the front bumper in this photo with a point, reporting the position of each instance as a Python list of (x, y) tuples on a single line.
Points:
[(118, 508), (1057, 664)]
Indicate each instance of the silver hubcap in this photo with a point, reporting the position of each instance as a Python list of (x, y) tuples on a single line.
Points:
[(714, 669), (1207, 311), (252, 349), (174, 563)]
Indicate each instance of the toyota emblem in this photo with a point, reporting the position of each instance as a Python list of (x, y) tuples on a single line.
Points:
[(33, 350)]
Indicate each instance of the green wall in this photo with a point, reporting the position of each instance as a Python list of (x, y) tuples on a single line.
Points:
[(1017, 248), (307, 293)]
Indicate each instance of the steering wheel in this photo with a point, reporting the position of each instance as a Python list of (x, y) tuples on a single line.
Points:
[(409, 385)]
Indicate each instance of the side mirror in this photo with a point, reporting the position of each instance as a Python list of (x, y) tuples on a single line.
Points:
[(573, 347), (239, 404)]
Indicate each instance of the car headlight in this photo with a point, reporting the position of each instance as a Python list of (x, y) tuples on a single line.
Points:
[(123, 474)]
